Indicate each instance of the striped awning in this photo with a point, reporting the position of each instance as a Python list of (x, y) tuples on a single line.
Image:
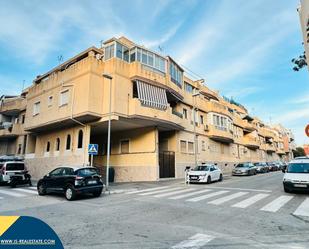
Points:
[(151, 96)]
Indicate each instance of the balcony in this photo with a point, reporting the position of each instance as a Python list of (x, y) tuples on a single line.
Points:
[(251, 142), (13, 106), (248, 127), (266, 133), (213, 106), (167, 119), (220, 134), (270, 148), (15, 131), (280, 151)]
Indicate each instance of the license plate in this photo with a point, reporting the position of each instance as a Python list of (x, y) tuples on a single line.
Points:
[(300, 185), (194, 177), (92, 182)]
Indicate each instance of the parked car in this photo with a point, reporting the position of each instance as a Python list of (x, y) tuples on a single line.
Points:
[(261, 167), (71, 181), (296, 176), (14, 173), (273, 166), (206, 173), (284, 166), (244, 169)]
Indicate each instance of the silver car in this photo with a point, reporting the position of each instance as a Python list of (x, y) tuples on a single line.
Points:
[(244, 169)]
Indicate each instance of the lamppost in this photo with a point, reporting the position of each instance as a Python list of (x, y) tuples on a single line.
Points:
[(109, 77), (194, 127)]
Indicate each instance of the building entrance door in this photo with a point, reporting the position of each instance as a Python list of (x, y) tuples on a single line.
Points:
[(167, 164)]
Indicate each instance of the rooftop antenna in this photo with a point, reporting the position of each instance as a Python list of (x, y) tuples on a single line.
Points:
[(101, 42), (160, 48), (270, 120), (23, 85), (60, 58)]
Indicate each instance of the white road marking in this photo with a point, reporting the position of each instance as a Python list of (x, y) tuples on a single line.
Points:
[(243, 189), (33, 188), (11, 193), (30, 191), (248, 202), (227, 198), (194, 242), (160, 191), (174, 192), (203, 197), (146, 190), (177, 197), (276, 204), (303, 209)]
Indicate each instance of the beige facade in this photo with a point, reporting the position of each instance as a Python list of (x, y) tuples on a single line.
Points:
[(160, 117), (303, 11)]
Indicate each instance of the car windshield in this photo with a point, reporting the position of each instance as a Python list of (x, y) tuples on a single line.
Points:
[(298, 168), (14, 166), (242, 165), (258, 164), (87, 172), (201, 168)]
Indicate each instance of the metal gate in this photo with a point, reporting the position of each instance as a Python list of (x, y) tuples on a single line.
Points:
[(167, 164)]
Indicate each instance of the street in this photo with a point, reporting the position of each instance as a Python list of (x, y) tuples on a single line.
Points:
[(240, 212)]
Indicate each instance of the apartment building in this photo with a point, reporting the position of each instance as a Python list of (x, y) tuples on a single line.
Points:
[(159, 117), (303, 11)]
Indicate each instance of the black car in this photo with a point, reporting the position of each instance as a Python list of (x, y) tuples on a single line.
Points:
[(71, 181)]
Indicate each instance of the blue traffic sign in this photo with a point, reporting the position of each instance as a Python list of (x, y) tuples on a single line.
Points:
[(93, 149)]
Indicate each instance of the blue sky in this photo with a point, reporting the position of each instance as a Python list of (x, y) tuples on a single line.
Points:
[(242, 48)]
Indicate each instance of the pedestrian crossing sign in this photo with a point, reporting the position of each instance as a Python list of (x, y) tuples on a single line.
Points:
[(93, 149)]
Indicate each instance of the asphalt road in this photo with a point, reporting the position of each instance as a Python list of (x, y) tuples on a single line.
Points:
[(240, 212)]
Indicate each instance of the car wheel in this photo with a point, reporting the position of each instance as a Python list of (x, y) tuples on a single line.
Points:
[(208, 179), (41, 189), (97, 193), (286, 190), (70, 193), (30, 183), (221, 178)]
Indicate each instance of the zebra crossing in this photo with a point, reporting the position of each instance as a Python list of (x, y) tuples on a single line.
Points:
[(235, 198), (17, 192)]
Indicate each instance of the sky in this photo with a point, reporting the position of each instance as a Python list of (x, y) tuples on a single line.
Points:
[(243, 49)]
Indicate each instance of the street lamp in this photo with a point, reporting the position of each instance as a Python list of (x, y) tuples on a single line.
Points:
[(194, 127), (109, 77)]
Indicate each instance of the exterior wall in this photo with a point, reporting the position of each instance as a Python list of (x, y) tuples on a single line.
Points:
[(41, 162), (140, 164)]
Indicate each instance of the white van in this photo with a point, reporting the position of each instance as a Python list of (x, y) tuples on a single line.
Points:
[(296, 175)]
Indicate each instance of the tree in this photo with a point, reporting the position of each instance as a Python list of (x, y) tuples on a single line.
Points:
[(299, 151), (299, 62)]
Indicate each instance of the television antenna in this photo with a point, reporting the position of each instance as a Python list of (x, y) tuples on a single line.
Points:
[(60, 58)]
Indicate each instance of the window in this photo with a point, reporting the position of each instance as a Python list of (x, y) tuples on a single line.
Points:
[(48, 146), (19, 149), (58, 144), (183, 146), (64, 98), (188, 88), (201, 119), (185, 113), (68, 145), (122, 52), (23, 119), (50, 101), (80, 139), (148, 58), (57, 172), (203, 146), (36, 108), (190, 147), (124, 146), (109, 52), (221, 122), (176, 74)]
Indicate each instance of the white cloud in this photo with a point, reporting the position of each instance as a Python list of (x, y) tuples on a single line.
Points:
[(243, 92)]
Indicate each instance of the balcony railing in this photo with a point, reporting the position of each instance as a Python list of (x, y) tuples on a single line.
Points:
[(251, 142), (14, 131)]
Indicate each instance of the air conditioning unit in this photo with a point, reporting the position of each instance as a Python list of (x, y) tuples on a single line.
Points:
[(206, 128)]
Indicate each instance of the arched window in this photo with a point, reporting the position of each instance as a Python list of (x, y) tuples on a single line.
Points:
[(58, 144), (80, 139), (68, 145), (48, 146)]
